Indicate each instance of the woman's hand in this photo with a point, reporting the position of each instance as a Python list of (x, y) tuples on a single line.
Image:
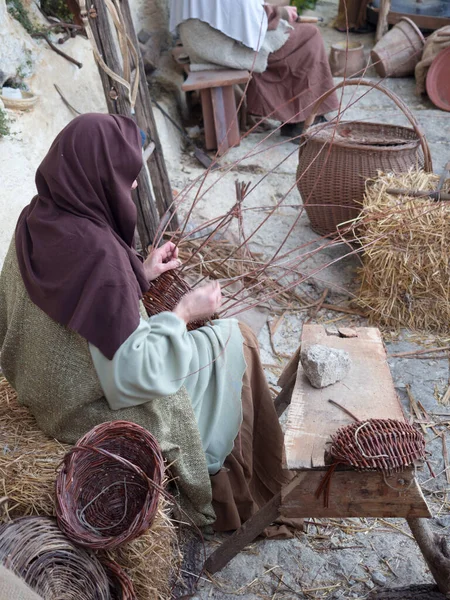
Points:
[(201, 303), (160, 260), (291, 12)]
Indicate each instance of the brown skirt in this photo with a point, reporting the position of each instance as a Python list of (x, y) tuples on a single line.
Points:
[(296, 76), (253, 473)]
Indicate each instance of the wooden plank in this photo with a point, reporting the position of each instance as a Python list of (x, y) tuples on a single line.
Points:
[(220, 119), (200, 80), (208, 120), (249, 531), (118, 103), (283, 399), (422, 21), (367, 391), (156, 164), (357, 494), (289, 369), (382, 25), (231, 116)]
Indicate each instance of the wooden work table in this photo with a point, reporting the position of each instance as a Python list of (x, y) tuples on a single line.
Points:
[(367, 392)]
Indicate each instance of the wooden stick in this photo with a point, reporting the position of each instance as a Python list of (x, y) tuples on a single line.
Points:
[(423, 351), (446, 397), (445, 457), (382, 25), (55, 49), (318, 306), (344, 309), (66, 102), (419, 194), (435, 551), (117, 100), (148, 151)]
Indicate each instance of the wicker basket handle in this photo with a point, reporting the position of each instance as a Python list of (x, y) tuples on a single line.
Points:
[(398, 101)]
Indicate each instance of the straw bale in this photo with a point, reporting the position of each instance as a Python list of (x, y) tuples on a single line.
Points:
[(28, 463), (405, 274)]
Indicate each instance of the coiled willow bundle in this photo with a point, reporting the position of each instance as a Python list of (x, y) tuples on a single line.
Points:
[(51, 565), (108, 488)]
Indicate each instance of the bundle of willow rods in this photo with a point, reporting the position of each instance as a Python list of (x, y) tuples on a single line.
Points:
[(165, 293), (384, 445), (36, 550), (108, 488)]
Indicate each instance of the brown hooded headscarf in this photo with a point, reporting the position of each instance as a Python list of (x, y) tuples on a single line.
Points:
[(75, 239)]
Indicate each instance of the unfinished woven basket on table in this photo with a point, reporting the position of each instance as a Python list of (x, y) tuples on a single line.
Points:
[(108, 488), (165, 293), (36, 550), (335, 160), (384, 445)]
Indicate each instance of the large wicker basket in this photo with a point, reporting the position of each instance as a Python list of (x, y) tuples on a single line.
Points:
[(336, 159)]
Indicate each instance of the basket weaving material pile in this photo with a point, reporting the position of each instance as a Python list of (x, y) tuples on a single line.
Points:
[(28, 466), (36, 550), (108, 488), (405, 278)]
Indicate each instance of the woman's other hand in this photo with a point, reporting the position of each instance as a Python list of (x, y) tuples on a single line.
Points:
[(160, 260), (291, 12), (201, 303)]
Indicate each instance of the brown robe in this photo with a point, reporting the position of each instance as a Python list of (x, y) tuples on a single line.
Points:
[(253, 473), (296, 76)]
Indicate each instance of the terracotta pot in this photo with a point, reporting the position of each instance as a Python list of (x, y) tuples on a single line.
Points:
[(352, 54), (438, 80), (399, 51)]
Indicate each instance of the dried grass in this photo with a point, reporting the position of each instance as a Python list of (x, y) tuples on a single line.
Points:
[(28, 463), (406, 253)]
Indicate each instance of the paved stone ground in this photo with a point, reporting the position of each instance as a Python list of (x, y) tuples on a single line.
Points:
[(332, 558)]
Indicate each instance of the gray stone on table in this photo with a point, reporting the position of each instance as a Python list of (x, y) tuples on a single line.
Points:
[(324, 366)]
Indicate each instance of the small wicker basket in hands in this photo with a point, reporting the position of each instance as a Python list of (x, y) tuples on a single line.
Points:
[(165, 293)]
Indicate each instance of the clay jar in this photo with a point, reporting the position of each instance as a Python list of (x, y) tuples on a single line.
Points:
[(350, 52)]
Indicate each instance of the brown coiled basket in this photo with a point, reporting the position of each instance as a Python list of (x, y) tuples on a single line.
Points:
[(36, 550), (108, 487), (385, 445), (335, 159), (164, 294)]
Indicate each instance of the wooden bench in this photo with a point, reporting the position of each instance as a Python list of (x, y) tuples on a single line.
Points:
[(218, 105), (367, 392)]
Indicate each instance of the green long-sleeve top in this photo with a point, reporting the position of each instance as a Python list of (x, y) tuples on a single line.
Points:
[(161, 356)]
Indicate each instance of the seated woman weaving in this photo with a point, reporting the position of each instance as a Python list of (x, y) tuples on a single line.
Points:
[(78, 349), (288, 61)]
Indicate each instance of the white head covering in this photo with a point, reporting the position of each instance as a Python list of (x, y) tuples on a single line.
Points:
[(242, 20)]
